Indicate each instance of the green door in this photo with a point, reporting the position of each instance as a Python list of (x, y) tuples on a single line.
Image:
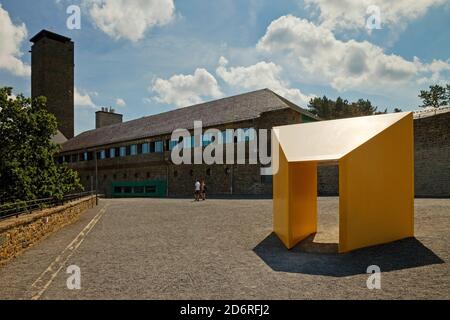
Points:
[(149, 188)]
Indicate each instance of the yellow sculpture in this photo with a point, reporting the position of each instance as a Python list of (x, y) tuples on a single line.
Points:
[(375, 155)]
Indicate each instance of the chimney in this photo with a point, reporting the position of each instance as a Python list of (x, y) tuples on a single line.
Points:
[(107, 117), (52, 76)]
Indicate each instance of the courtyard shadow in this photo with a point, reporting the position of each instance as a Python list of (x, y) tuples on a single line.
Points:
[(402, 254)]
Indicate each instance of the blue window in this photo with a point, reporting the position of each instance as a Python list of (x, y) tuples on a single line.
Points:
[(102, 154), (145, 148), (85, 156), (187, 142), (158, 146), (123, 151), (133, 150), (172, 144), (207, 139), (112, 152)]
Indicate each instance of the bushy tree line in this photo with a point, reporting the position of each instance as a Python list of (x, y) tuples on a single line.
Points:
[(28, 167), (327, 109)]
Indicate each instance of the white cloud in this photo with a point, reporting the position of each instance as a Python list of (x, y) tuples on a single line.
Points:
[(83, 99), (352, 14), (129, 19), (11, 37), (120, 102), (260, 75), (184, 90), (314, 54), (147, 100)]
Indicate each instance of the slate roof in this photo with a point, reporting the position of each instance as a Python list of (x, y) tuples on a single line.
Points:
[(242, 107)]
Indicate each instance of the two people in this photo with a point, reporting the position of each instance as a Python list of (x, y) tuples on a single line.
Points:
[(200, 190)]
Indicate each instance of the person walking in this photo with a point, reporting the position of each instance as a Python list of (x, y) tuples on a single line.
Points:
[(203, 189), (197, 188)]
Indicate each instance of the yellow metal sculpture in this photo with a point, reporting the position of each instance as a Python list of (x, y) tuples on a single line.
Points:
[(375, 155)]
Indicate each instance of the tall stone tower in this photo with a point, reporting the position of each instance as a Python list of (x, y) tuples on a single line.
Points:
[(52, 76)]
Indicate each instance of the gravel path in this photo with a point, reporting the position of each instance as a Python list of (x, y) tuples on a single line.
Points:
[(223, 249)]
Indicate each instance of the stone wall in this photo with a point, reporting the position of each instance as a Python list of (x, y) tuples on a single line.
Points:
[(431, 160), (432, 156), (328, 180), (17, 234)]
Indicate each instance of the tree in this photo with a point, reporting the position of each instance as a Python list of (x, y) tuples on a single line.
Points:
[(28, 167), (448, 94), (436, 97), (328, 109), (396, 110)]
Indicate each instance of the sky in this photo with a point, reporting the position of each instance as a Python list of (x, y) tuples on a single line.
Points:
[(144, 57)]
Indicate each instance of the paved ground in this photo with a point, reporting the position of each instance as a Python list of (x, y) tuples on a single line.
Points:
[(178, 249)]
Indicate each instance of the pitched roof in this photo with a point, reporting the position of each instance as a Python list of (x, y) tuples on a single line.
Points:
[(50, 35), (331, 140), (242, 107), (59, 138)]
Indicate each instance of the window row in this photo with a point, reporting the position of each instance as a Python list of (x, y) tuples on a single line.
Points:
[(227, 136), (116, 152)]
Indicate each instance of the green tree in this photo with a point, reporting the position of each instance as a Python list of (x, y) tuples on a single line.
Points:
[(436, 97), (396, 110), (28, 167), (322, 107), (328, 109), (448, 94)]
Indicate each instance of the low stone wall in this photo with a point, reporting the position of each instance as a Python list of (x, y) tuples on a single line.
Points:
[(17, 234)]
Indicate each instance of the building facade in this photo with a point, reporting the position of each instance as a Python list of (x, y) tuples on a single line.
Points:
[(134, 158)]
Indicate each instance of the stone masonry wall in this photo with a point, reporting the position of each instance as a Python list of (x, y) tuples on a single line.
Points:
[(432, 156), (328, 180), (18, 234), (431, 160)]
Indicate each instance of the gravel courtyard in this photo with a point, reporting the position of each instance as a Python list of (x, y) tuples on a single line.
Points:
[(224, 249)]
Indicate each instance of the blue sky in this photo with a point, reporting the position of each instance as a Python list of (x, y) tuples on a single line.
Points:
[(147, 56)]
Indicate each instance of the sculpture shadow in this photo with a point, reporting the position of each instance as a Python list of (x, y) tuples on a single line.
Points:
[(402, 254)]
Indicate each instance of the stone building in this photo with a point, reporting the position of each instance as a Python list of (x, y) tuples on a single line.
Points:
[(52, 76), (134, 158)]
